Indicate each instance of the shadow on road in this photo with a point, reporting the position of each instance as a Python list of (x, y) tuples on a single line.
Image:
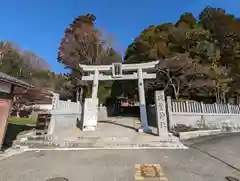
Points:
[(124, 126), (118, 124)]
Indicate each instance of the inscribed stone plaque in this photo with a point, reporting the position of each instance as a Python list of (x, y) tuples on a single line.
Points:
[(161, 116)]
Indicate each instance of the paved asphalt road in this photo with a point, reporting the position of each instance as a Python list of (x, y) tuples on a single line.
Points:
[(211, 159)]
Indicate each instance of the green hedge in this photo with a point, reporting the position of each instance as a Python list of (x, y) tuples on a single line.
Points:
[(21, 121)]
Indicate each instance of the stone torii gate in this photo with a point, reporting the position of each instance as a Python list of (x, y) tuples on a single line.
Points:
[(118, 71)]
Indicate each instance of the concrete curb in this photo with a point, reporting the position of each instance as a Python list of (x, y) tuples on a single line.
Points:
[(17, 152), (194, 134), (204, 139), (105, 148)]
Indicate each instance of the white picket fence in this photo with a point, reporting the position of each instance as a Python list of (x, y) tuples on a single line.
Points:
[(68, 105), (201, 108)]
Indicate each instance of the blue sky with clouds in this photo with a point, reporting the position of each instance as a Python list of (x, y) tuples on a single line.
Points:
[(38, 25)]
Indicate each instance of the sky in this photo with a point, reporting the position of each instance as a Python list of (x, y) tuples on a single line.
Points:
[(38, 25)]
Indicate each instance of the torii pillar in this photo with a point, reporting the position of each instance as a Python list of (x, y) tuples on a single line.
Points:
[(142, 103)]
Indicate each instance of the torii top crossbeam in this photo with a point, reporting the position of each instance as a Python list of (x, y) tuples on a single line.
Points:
[(126, 67), (118, 69)]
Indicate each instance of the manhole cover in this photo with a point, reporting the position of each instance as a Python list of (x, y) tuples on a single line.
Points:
[(149, 171), (231, 178), (58, 179)]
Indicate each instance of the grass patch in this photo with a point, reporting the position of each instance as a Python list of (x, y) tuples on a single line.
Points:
[(16, 126), (21, 121), (13, 130)]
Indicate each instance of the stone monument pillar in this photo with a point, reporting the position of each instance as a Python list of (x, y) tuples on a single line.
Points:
[(161, 114), (55, 100)]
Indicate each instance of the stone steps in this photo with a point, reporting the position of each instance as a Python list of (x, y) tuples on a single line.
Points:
[(90, 145), (96, 144), (91, 141)]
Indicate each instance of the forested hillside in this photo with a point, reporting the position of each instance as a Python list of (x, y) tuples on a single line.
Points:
[(199, 58)]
